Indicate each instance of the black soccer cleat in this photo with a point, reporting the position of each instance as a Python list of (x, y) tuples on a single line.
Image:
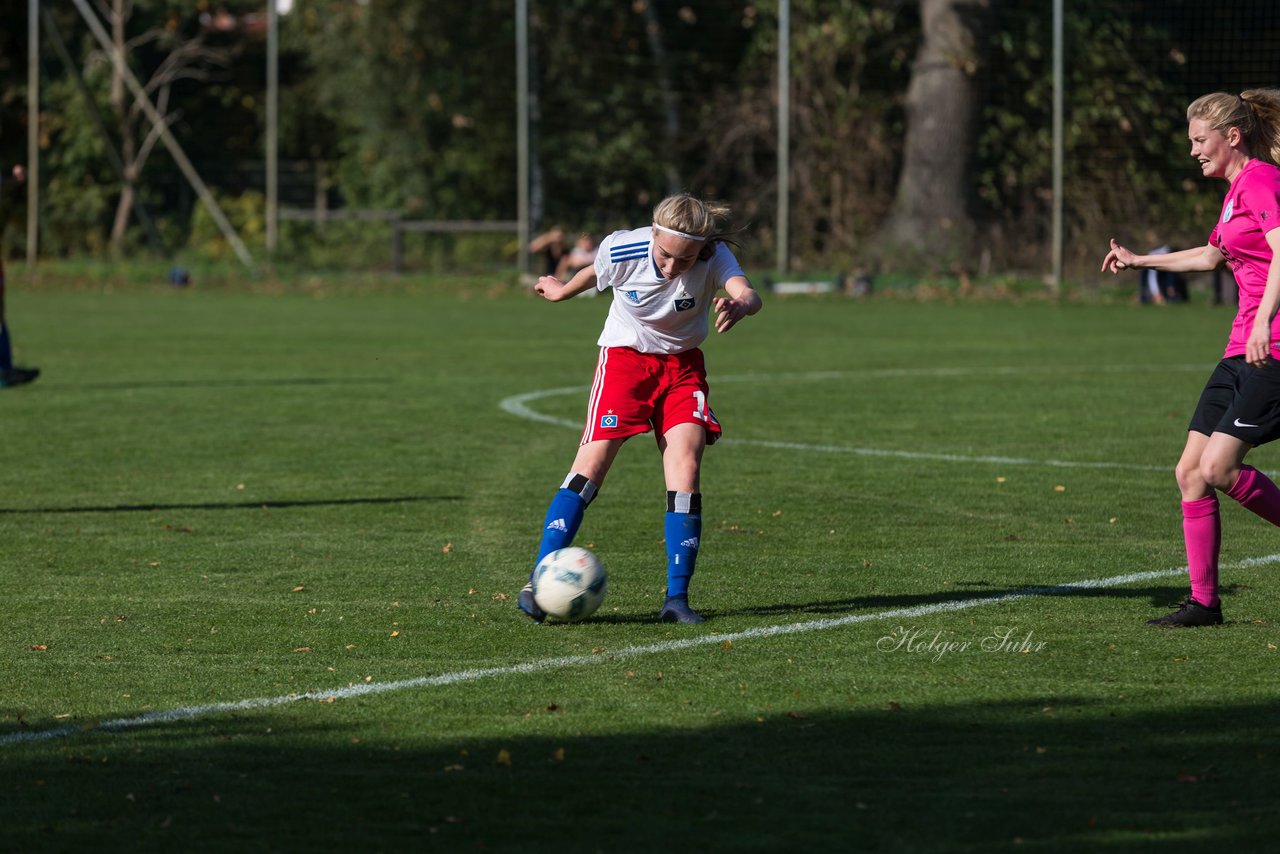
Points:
[(526, 603), (676, 610), (1189, 615), (18, 376)]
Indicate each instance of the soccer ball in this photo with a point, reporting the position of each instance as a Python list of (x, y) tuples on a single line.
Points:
[(569, 584)]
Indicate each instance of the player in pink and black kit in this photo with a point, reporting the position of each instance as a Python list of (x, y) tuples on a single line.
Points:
[(650, 374), (1236, 138)]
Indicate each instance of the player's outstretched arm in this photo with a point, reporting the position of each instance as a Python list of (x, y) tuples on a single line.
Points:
[(551, 288), (742, 301), (1198, 259)]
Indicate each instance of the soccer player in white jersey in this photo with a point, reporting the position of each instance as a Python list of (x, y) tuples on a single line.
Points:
[(650, 375)]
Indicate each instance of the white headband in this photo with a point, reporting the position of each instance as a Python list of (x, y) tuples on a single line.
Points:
[(679, 233)]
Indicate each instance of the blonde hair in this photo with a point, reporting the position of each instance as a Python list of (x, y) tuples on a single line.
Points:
[(689, 215), (1255, 113)]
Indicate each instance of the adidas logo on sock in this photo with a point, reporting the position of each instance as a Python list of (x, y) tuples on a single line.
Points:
[(691, 543), (558, 525)]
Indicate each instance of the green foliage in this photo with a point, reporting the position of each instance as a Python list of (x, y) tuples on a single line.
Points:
[(422, 108), (247, 215), (411, 107)]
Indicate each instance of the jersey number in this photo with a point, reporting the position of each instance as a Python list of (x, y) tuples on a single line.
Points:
[(700, 411)]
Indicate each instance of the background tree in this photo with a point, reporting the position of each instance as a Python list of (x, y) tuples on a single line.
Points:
[(931, 204), (176, 53)]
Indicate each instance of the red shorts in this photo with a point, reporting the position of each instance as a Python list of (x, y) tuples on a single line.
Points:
[(634, 392)]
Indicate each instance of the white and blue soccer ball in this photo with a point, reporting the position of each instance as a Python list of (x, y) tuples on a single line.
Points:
[(569, 584)]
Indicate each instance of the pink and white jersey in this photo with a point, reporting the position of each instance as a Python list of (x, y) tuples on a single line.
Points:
[(649, 313), (1250, 210)]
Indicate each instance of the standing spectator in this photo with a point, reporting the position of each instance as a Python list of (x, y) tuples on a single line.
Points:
[(1154, 285)]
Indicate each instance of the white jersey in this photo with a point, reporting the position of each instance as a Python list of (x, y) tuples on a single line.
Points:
[(652, 314)]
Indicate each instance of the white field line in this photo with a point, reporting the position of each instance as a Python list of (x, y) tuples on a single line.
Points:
[(518, 405), (541, 665)]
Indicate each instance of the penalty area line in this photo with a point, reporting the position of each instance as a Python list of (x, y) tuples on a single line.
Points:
[(518, 405), (561, 662)]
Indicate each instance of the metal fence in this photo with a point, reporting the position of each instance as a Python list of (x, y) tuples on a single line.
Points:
[(1077, 126)]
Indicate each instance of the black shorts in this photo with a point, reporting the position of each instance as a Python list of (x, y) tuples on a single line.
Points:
[(1241, 401)]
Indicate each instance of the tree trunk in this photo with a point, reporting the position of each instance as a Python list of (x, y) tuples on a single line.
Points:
[(931, 203)]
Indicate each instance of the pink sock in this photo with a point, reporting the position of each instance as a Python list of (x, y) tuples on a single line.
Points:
[(1257, 493), (1203, 532)]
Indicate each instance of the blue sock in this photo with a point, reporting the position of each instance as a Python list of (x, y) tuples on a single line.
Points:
[(6, 352), (564, 514), (684, 531)]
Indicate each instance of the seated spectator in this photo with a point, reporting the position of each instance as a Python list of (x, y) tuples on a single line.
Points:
[(551, 245), (583, 254)]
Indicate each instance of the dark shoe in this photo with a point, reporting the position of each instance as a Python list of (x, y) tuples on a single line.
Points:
[(525, 602), (1189, 615), (17, 376), (676, 610)]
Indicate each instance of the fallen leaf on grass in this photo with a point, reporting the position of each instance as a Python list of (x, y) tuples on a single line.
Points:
[(394, 634), (454, 767), (1184, 777), (1059, 488), (796, 716), (40, 647), (298, 589), (504, 757), (302, 649), (557, 755), (446, 548)]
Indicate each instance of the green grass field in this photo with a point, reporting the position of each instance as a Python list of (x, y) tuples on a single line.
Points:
[(213, 502)]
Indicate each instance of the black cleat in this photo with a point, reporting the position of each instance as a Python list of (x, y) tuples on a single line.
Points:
[(1189, 615), (525, 603), (676, 610), (18, 376)]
